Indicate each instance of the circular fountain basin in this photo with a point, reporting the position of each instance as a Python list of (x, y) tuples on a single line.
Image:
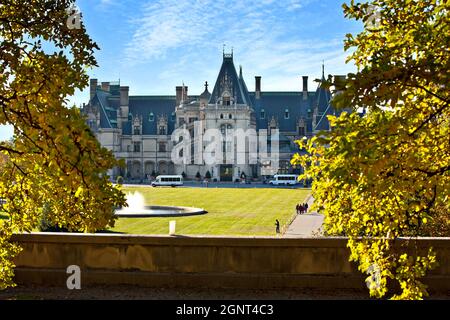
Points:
[(159, 211)]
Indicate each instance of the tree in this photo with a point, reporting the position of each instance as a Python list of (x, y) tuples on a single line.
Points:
[(385, 174), (55, 164)]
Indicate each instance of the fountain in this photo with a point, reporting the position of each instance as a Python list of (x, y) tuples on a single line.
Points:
[(137, 209)]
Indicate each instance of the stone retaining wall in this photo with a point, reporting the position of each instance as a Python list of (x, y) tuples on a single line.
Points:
[(212, 262)]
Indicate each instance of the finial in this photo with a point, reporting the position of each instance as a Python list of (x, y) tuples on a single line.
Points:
[(323, 69), (206, 85)]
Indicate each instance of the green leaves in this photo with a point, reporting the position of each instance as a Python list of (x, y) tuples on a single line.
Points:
[(387, 174)]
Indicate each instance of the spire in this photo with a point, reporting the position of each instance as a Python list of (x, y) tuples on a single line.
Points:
[(205, 95), (323, 70)]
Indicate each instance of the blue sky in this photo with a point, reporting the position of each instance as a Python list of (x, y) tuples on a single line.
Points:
[(154, 45)]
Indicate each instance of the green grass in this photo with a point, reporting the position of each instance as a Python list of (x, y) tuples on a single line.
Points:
[(243, 212)]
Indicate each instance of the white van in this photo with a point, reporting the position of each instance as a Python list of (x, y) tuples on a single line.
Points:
[(284, 179), (172, 181)]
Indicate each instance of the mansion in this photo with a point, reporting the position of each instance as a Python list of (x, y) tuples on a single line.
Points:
[(138, 129)]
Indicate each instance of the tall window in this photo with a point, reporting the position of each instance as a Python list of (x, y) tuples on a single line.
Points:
[(301, 131), (263, 114), (286, 113), (137, 147), (230, 116), (226, 100), (151, 117)]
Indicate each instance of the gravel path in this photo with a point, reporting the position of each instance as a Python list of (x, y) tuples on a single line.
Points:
[(138, 293)]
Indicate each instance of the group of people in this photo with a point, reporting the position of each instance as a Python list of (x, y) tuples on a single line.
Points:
[(301, 208)]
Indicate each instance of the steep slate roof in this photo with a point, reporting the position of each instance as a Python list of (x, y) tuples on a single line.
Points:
[(228, 72), (158, 105), (274, 104)]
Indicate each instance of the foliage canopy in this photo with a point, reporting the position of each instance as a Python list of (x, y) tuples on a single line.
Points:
[(385, 174), (55, 164)]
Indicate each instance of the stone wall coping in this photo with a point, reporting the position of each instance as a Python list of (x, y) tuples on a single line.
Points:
[(200, 240)]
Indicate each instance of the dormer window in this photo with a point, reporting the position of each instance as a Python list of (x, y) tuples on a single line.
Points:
[(162, 130), (263, 114), (130, 116), (226, 98), (172, 117), (286, 113), (151, 117)]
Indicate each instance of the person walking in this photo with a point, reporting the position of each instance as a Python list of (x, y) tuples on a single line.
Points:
[(297, 208), (277, 226), (306, 208)]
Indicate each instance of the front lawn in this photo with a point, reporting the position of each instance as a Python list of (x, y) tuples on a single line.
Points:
[(244, 212)]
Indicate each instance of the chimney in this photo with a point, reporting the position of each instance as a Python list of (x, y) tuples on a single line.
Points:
[(93, 87), (179, 91), (124, 101), (305, 87), (185, 93), (182, 94), (257, 87), (105, 86)]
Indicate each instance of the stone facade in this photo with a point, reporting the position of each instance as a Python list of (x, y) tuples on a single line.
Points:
[(139, 129)]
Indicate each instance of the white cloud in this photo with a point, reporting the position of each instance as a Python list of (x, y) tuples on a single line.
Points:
[(267, 41)]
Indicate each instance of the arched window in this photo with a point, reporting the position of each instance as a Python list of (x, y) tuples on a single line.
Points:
[(230, 116), (221, 116)]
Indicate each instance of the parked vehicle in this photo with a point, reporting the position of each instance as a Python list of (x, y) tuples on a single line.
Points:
[(284, 179), (169, 180)]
